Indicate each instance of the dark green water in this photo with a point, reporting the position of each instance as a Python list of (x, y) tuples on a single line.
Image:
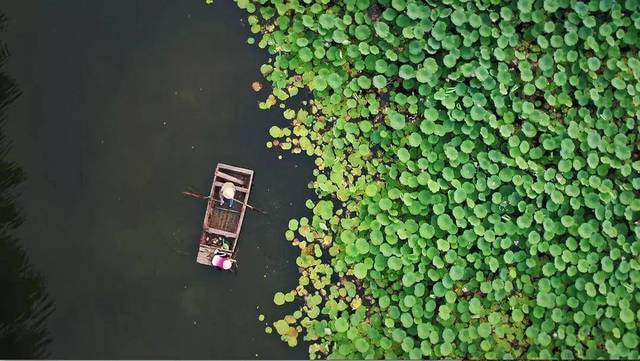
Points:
[(124, 104)]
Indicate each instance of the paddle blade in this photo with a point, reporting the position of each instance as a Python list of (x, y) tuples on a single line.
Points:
[(257, 210), (198, 196)]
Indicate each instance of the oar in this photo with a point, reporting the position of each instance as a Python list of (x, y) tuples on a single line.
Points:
[(190, 194), (251, 207), (199, 196)]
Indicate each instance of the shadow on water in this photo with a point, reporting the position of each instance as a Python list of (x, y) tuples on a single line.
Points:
[(24, 306)]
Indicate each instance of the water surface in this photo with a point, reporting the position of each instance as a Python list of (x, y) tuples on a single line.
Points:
[(24, 305), (124, 104)]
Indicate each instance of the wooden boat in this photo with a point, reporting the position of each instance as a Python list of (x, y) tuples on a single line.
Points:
[(222, 224)]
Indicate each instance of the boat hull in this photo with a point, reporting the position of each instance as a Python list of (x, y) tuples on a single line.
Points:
[(222, 223)]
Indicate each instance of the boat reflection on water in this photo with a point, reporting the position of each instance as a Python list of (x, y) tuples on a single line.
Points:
[(24, 304)]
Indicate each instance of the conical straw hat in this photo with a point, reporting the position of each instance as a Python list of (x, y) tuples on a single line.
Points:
[(228, 190), (226, 264)]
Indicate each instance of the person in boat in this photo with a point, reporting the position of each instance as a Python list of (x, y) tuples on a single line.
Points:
[(222, 261), (228, 191)]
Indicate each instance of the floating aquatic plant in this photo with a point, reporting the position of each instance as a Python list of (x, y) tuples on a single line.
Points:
[(477, 173)]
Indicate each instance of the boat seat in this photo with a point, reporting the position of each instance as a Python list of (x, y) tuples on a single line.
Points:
[(219, 232), (229, 177), (235, 169), (241, 189)]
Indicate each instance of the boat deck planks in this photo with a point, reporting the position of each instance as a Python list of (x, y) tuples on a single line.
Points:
[(222, 221)]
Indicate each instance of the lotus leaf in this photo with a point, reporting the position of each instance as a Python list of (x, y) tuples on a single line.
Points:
[(476, 175)]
